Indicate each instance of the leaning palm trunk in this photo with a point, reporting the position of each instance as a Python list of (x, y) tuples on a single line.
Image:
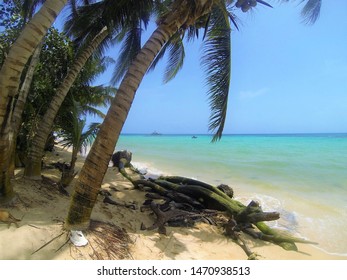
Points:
[(24, 91), (16, 119), (95, 166), (36, 149), (10, 73)]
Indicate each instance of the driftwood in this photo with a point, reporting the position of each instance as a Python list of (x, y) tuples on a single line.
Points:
[(109, 200), (185, 201), (121, 158), (175, 214), (232, 229), (50, 182)]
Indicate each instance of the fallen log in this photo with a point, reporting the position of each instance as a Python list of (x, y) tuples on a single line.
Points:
[(253, 214), (140, 184), (192, 182), (213, 198)]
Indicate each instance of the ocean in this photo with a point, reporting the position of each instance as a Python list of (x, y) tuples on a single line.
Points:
[(302, 176)]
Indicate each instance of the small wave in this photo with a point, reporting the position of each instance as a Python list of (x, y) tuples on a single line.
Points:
[(148, 170), (330, 253)]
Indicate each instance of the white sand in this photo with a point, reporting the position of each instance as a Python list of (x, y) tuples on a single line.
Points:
[(44, 209)]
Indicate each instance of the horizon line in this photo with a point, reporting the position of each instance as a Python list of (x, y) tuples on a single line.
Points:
[(211, 134)]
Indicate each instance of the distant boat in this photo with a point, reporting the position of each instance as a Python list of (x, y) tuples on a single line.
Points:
[(194, 137), (155, 133)]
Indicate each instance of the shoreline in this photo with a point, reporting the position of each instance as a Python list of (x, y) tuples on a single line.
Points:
[(40, 224), (245, 197)]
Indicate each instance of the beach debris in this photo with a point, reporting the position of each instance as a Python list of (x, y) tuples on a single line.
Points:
[(77, 238), (184, 199), (61, 166), (50, 182), (49, 242), (226, 189), (7, 218), (233, 230), (67, 175), (170, 213), (104, 192), (121, 159), (110, 200), (108, 241)]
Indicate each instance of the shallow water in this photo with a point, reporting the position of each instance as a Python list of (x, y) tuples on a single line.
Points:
[(302, 176)]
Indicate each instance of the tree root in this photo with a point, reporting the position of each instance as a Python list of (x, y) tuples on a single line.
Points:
[(200, 196)]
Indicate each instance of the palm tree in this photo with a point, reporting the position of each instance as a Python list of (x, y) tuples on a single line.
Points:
[(182, 15), (36, 150), (10, 73), (74, 135), (18, 14)]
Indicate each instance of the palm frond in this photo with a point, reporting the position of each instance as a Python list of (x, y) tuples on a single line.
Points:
[(264, 3), (176, 58), (90, 110), (161, 7), (121, 13), (29, 7), (89, 135), (72, 127), (216, 62), (159, 57), (234, 20), (85, 23), (94, 96), (311, 11), (130, 48)]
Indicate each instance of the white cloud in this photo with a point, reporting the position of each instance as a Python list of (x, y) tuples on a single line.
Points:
[(249, 94)]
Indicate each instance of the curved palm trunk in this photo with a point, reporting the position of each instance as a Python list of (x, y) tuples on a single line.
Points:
[(36, 150), (24, 91), (10, 73), (95, 166), (16, 119)]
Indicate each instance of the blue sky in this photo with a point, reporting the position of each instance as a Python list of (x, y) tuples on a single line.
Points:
[(287, 77)]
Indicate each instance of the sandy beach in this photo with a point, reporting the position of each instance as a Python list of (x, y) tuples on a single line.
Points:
[(42, 210)]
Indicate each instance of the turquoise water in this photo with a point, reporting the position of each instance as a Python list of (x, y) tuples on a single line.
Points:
[(302, 176)]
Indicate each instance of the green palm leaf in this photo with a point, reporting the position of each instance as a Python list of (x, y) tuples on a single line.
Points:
[(311, 11), (130, 48), (176, 58), (159, 57), (217, 64), (89, 135)]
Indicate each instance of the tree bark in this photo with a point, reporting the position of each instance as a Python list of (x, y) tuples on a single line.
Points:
[(36, 149), (10, 73), (18, 109), (94, 169)]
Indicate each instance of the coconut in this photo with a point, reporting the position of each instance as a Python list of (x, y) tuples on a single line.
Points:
[(239, 3), (245, 7), (252, 3)]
